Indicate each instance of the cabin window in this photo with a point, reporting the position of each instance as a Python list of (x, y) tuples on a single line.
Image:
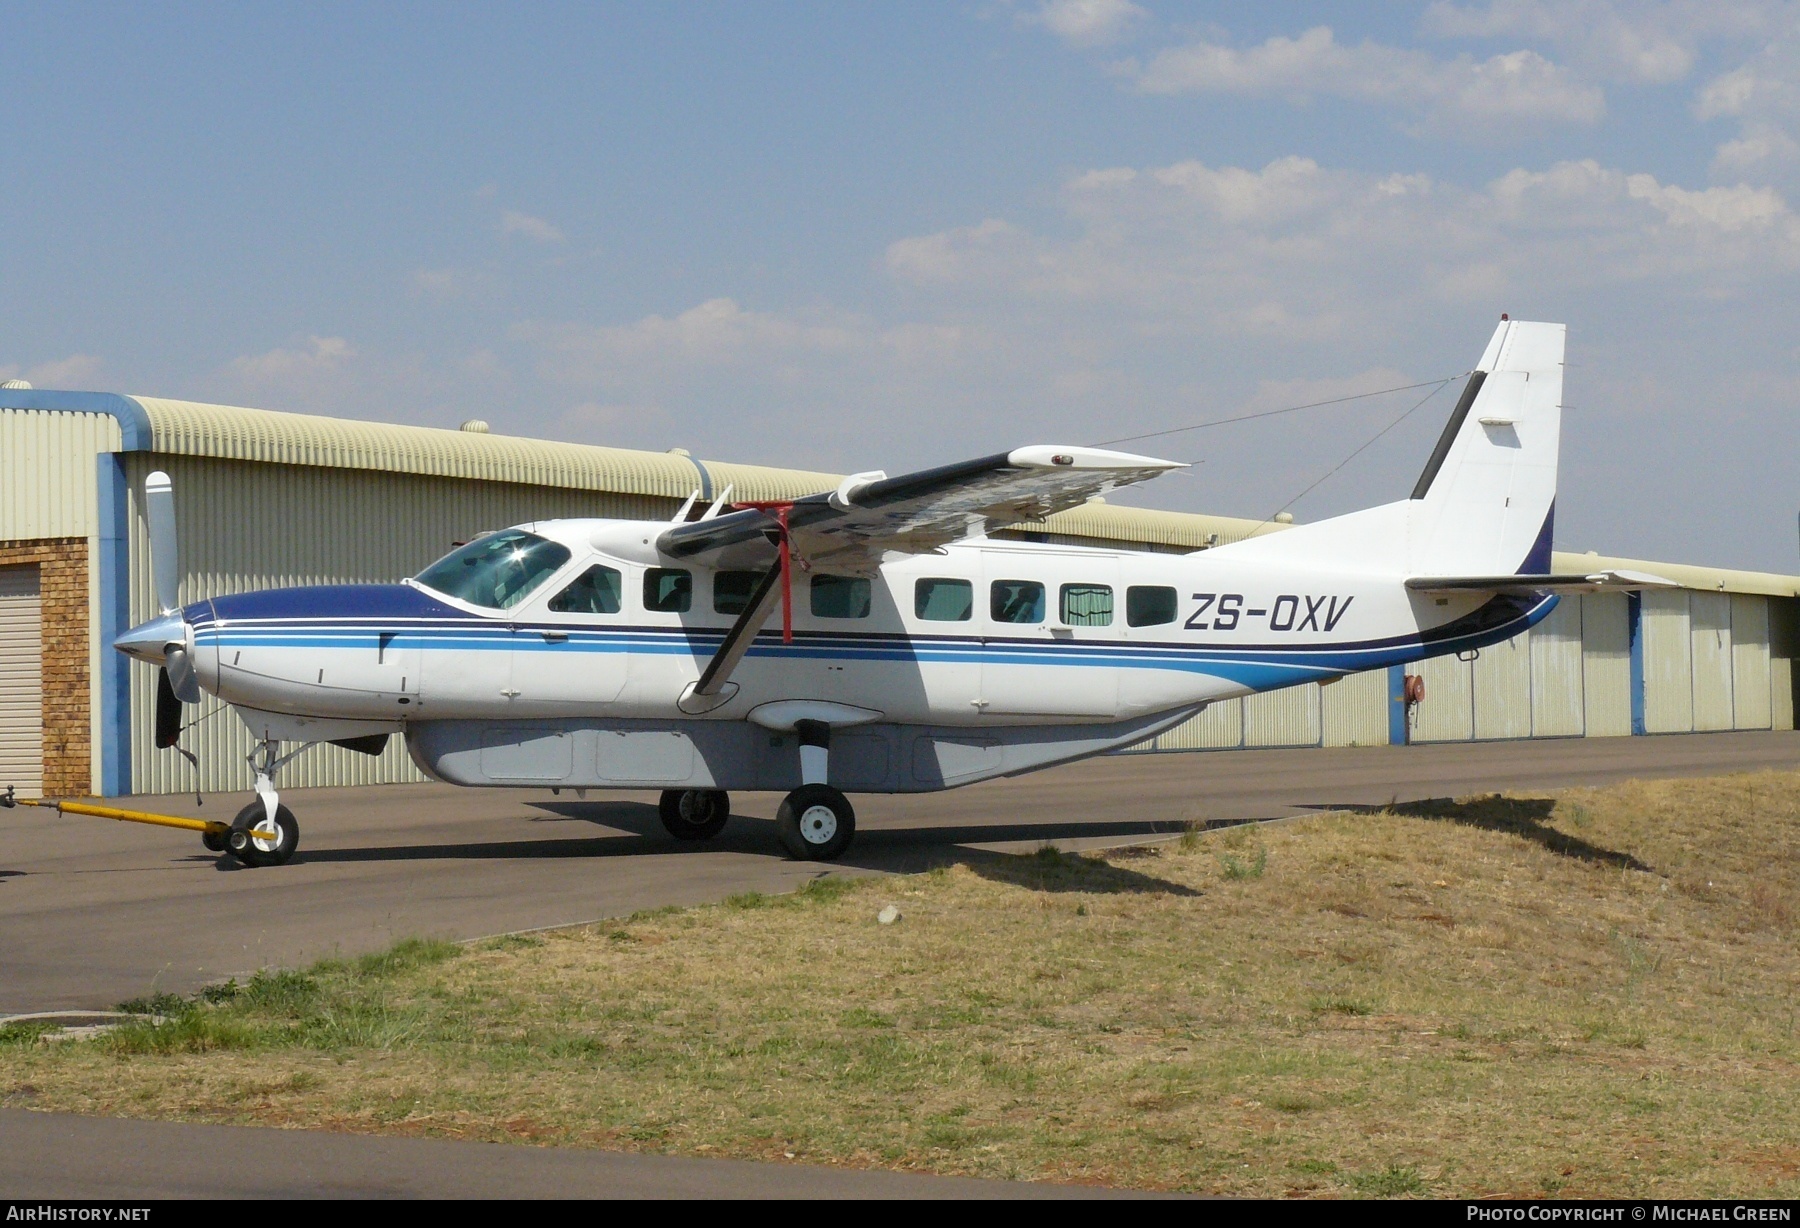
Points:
[(1017, 601), (840, 597), (1086, 605), (668, 590), (1149, 605), (595, 591), (944, 601), (497, 571), (732, 591)]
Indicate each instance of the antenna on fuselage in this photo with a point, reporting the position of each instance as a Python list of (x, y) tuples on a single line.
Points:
[(687, 507)]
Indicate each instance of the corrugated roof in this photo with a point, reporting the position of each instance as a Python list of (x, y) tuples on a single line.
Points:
[(1186, 530), (1705, 579), (189, 428)]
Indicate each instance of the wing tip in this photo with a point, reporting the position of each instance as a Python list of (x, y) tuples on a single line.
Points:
[(1072, 456)]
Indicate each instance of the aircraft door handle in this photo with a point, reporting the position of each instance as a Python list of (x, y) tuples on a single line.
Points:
[(555, 637)]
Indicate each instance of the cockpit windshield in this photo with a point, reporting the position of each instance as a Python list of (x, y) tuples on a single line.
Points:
[(497, 571)]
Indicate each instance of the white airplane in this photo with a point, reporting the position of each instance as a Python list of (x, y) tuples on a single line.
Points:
[(913, 652)]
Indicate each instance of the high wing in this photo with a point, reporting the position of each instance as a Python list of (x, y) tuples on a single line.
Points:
[(849, 529), (1598, 582)]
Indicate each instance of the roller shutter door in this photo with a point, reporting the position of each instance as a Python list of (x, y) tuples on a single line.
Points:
[(21, 681)]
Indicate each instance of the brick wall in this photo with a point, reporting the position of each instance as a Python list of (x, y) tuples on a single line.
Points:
[(63, 582)]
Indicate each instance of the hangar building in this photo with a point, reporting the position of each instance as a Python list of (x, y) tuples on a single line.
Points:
[(268, 499)]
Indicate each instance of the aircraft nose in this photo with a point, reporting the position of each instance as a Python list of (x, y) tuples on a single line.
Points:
[(148, 641)]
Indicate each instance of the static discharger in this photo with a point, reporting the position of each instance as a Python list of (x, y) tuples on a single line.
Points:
[(206, 827)]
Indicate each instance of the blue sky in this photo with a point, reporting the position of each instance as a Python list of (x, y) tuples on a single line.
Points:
[(853, 237)]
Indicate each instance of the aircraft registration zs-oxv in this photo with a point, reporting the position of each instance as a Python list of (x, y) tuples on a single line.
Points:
[(913, 653)]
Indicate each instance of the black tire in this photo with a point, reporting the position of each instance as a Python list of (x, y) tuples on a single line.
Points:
[(258, 852), (694, 814), (807, 833), (214, 841)]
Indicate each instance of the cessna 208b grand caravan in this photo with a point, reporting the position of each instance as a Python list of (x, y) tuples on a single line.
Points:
[(912, 652)]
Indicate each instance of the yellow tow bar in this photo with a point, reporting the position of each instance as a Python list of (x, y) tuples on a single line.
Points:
[(210, 827)]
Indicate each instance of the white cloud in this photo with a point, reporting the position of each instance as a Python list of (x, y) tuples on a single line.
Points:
[(77, 371), (442, 285), (1651, 43), (315, 358), (1518, 86), (512, 222), (1279, 248), (1763, 96), (1086, 23)]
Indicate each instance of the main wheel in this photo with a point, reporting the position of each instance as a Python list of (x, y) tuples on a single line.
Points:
[(255, 850), (694, 814), (816, 823)]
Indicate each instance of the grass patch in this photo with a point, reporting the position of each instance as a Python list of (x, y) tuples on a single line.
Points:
[(1583, 995)]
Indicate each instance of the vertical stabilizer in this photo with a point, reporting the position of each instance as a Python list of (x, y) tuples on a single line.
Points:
[(1486, 501)]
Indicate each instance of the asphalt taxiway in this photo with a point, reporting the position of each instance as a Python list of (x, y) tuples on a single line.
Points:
[(94, 912)]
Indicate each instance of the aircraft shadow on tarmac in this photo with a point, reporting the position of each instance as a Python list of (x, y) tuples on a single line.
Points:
[(636, 831), (1519, 816)]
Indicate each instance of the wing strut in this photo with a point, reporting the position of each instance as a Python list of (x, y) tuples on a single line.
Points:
[(785, 566), (777, 583)]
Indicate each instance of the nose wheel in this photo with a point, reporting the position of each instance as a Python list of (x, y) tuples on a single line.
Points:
[(815, 823), (255, 841)]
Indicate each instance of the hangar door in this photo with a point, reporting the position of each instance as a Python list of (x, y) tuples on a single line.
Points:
[(21, 681)]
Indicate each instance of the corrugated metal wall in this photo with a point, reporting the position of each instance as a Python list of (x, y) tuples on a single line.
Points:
[(47, 471), (1355, 710), (1448, 711), (1288, 717), (1668, 663), (1750, 690), (1606, 665), (1558, 704), (1709, 631), (246, 526)]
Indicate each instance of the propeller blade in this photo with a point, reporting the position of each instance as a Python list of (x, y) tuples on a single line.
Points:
[(165, 563), (168, 712), (178, 668)]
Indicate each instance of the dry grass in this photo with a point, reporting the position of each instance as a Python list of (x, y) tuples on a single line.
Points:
[(1594, 995)]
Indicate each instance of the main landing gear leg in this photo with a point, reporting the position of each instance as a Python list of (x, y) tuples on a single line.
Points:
[(265, 832), (816, 821), (694, 814)]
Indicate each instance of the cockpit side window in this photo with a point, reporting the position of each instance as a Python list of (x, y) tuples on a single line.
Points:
[(497, 571), (595, 591)]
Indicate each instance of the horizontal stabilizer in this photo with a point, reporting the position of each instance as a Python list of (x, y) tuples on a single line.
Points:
[(1597, 582)]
